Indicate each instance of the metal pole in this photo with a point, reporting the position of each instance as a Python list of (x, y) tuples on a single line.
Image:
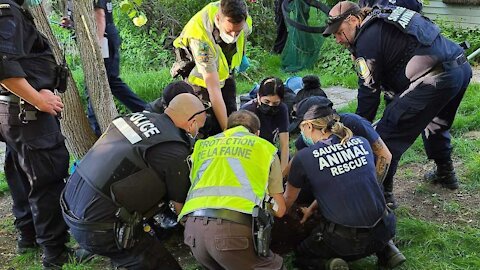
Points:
[(472, 55)]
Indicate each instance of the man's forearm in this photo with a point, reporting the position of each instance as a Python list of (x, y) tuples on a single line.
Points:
[(218, 104), (101, 23), (384, 158), (21, 88)]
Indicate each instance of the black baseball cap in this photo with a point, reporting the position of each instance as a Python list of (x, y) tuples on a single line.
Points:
[(311, 108), (338, 14), (171, 90)]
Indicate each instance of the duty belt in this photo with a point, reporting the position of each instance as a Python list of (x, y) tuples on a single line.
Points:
[(458, 61), (225, 214), (27, 111), (349, 232), (76, 223), (10, 98)]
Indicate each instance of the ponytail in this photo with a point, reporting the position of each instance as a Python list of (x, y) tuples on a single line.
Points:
[(332, 123)]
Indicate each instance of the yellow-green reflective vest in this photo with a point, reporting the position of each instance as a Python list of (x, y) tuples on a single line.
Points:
[(229, 171), (200, 27)]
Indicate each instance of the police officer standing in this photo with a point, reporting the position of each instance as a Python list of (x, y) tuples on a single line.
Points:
[(37, 159), (138, 164), (403, 54), (231, 174), (340, 169), (106, 29), (215, 39)]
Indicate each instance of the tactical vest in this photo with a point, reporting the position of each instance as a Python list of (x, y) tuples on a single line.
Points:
[(200, 27), (116, 167), (229, 171), (343, 181), (408, 21)]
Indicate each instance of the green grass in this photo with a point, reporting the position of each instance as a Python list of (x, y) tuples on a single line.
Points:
[(3, 184), (427, 245)]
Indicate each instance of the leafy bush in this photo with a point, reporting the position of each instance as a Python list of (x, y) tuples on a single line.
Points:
[(458, 34)]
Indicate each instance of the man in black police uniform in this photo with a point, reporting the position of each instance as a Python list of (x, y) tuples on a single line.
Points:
[(138, 164), (424, 74), (339, 168), (36, 161)]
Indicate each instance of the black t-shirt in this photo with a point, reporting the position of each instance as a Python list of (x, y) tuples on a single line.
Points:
[(24, 51), (357, 124), (108, 7), (169, 160), (342, 179), (270, 125)]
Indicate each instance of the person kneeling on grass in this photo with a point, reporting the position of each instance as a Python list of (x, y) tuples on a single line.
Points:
[(340, 169)]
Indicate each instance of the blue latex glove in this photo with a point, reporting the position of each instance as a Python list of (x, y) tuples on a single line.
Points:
[(244, 64)]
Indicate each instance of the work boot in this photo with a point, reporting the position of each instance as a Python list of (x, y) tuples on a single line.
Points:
[(444, 174), (336, 264), (390, 200), (55, 262), (390, 257), (25, 245)]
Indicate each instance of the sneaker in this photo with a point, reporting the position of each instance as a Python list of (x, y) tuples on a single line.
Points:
[(336, 264)]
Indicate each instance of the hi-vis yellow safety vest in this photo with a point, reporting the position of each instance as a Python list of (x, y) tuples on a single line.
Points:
[(229, 171), (200, 27)]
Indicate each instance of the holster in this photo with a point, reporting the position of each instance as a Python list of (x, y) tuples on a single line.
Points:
[(127, 228), (184, 63), (61, 72), (262, 230)]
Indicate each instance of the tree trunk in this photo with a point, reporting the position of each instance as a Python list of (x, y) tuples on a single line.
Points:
[(92, 63), (75, 126)]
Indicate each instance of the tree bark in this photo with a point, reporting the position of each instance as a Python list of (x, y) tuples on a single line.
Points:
[(92, 63), (74, 124)]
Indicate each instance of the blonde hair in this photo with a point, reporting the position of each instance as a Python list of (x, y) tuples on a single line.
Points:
[(332, 123)]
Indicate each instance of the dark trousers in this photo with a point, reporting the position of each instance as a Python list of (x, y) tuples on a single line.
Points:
[(229, 94), (120, 90), (428, 107), (282, 32), (36, 164), (326, 242), (220, 244), (147, 254)]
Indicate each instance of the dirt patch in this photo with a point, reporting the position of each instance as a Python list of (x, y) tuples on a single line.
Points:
[(432, 202), (7, 237)]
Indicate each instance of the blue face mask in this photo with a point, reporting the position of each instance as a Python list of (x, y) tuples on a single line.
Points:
[(32, 3), (307, 141)]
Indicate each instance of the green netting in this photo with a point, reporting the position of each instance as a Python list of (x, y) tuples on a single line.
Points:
[(305, 24)]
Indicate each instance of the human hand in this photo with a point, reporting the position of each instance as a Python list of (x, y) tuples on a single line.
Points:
[(65, 22), (307, 213), (49, 102)]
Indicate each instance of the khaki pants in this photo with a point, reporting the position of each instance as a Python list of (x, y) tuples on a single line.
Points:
[(221, 244)]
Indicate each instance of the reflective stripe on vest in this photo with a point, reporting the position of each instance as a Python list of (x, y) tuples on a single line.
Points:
[(200, 27), (229, 171)]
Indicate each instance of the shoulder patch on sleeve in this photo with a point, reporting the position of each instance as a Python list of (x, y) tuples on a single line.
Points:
[(5, 10), (203, 52), (4, 6), (362, 68)]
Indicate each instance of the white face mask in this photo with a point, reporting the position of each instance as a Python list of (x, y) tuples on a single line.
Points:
[(227, 38), (224, 36)]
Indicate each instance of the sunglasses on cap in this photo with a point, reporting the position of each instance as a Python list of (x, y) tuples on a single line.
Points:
[(207, 106), (341, 17)]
